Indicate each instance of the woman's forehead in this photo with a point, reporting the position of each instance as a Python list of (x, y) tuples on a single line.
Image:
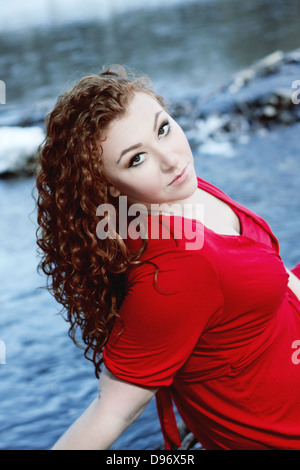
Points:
[(142, 110), (142, 103)]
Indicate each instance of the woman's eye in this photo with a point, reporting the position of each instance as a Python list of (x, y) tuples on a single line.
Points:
[(137, 159), (164, 129)]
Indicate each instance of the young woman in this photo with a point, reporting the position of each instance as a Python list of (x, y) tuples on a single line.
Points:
[(212, 324)]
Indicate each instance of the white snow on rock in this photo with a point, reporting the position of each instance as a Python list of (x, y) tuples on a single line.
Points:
[(17, 146)]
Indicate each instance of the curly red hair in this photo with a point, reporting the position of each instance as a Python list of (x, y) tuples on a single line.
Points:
[(86, 275)]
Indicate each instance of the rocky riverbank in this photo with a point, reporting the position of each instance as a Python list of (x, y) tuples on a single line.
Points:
[(261, 98)]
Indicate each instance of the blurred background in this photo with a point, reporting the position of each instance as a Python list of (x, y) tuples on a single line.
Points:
[(208, 57)]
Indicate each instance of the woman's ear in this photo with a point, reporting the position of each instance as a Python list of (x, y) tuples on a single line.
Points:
[(113, 191)]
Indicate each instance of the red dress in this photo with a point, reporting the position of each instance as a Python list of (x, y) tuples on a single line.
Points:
[(218, 332)]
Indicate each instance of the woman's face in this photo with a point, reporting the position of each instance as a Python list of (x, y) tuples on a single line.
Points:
[(146, 155)]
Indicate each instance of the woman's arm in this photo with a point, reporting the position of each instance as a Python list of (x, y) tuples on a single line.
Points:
[(117, 406), (294, 283)]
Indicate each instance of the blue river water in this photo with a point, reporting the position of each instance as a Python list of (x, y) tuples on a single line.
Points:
[(46, 383)]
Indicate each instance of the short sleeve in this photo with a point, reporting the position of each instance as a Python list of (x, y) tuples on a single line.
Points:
[(162, 318)]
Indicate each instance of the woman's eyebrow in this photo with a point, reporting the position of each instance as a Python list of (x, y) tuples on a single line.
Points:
[(155, 118), (133, 147)]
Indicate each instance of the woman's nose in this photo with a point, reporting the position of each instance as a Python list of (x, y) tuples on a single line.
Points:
[(168, 160)]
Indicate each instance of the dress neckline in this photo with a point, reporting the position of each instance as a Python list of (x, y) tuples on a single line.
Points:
[(222, 197), (218, 194)]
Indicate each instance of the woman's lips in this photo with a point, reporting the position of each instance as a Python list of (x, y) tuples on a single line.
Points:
[(181, 178)]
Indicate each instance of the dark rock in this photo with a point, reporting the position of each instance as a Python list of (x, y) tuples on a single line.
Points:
[(188, 440), (269, 81)]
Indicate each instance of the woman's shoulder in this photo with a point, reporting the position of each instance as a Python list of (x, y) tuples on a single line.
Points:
[(210, 188), (172, 261)]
